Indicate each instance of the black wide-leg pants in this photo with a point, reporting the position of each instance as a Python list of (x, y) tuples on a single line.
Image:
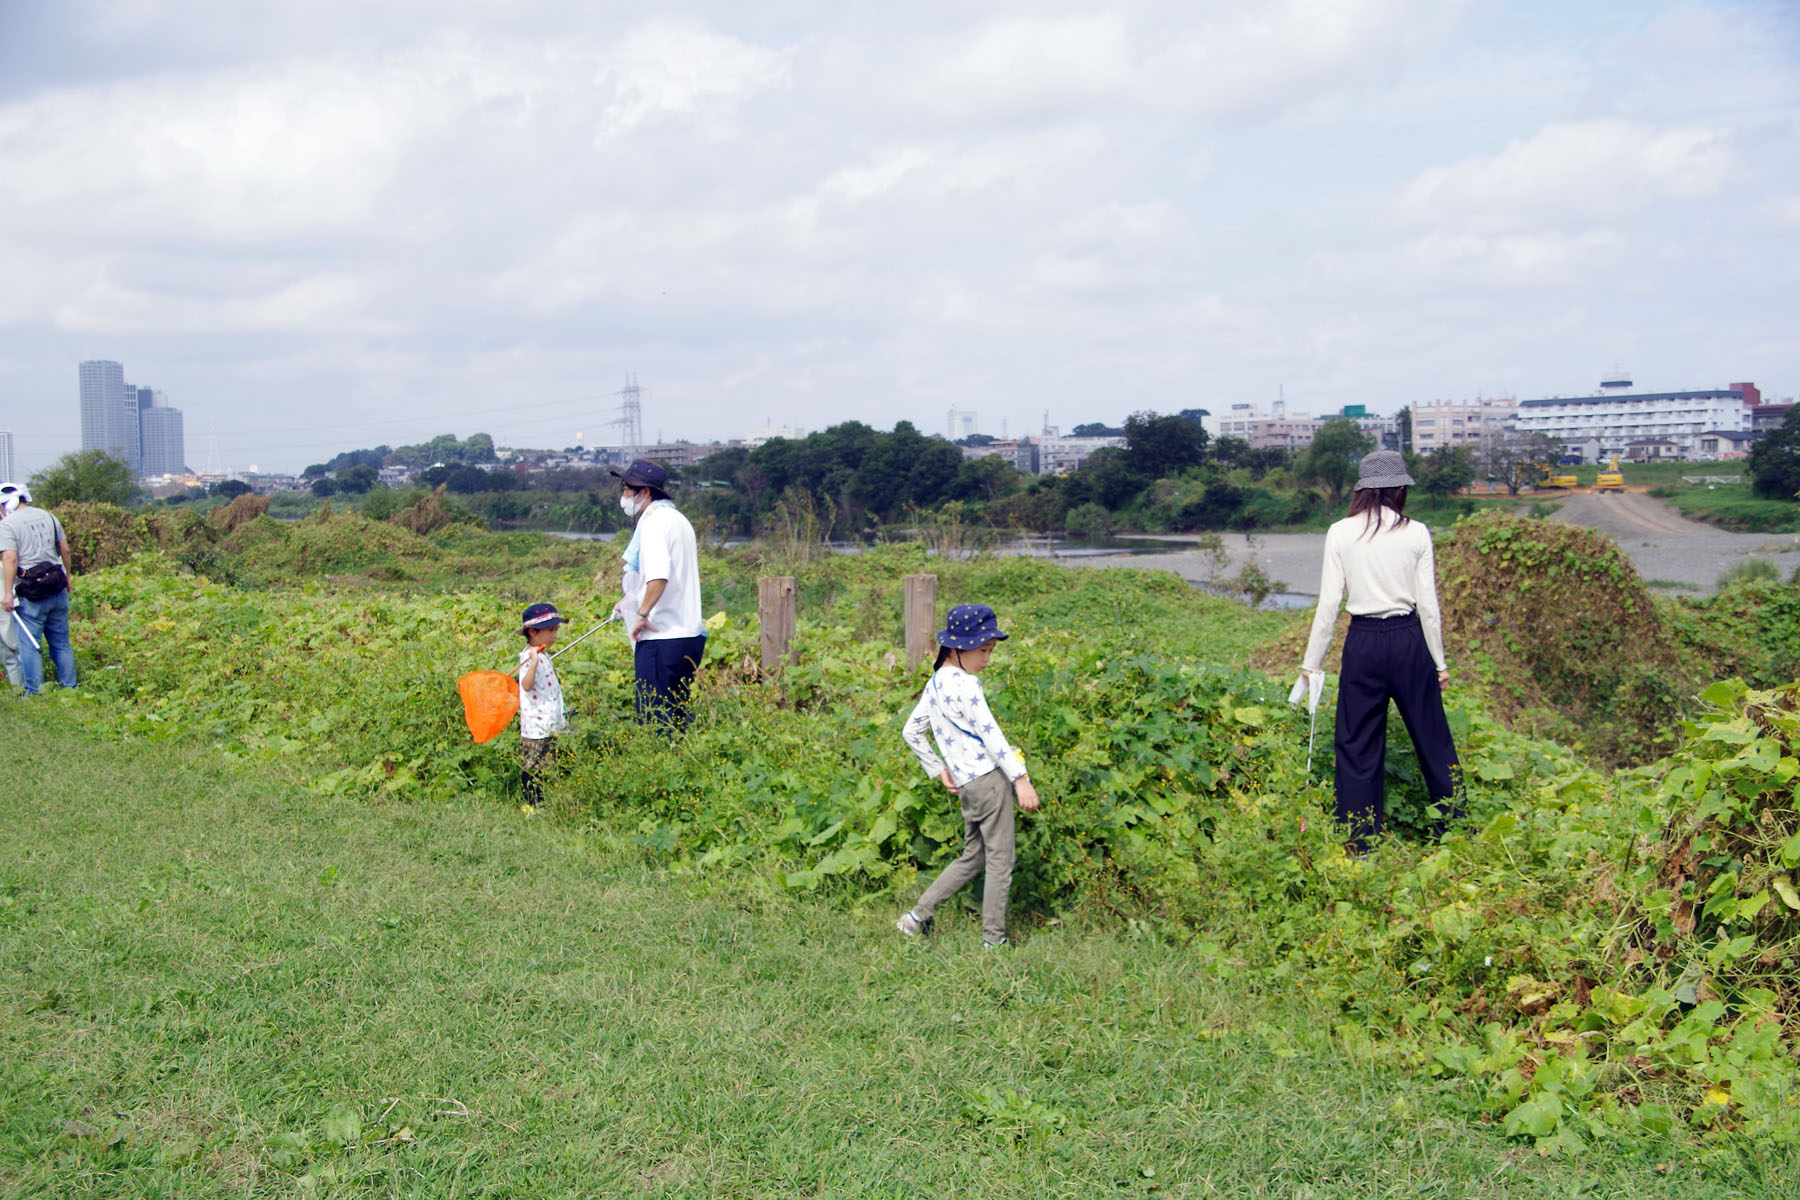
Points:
[(1385, 658)]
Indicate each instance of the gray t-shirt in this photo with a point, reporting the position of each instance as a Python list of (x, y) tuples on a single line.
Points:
[(31, 533)]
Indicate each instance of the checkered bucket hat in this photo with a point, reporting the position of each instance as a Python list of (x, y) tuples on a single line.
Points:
[(968, 626)]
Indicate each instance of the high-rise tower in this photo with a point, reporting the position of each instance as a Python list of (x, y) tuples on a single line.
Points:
[(103, 408)]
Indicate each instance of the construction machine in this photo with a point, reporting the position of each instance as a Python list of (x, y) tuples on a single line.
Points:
[(1550, 480), (1611, 479)]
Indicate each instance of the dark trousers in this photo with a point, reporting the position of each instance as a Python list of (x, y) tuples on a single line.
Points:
[(1385, 658), (665, 674)]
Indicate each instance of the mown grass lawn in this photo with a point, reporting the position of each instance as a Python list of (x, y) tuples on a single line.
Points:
[(214, 983)]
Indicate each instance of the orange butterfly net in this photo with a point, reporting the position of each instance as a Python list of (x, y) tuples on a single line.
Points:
[(491, 699)]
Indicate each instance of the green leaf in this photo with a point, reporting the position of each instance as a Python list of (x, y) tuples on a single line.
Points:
[(1790, 852), (343, 1124), (1493, 772), (1786, 891), (1725, 694), (1536, 1117)]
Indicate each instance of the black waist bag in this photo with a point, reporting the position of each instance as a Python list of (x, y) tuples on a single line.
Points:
[(42, 581)]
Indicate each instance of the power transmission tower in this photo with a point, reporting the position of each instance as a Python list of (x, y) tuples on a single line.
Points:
[(631, 416)]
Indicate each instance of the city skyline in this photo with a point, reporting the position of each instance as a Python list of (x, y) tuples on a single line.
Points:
[(137, 424), (476, 218)]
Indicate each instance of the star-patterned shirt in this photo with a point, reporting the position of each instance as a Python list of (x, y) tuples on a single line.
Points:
[(954, 709), (540, 705)]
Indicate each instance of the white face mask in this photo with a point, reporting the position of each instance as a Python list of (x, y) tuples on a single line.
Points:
[(628, 502)]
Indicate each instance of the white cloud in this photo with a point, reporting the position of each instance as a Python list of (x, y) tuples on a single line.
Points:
[(1571, 173), (811, 211)]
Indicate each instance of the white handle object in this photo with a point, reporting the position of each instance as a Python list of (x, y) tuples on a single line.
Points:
[(26, 630)]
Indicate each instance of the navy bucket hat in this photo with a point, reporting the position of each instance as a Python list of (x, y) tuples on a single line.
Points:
[(969, 625), (542, 616)]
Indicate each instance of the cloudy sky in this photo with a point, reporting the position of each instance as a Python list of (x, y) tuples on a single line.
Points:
[(335, 223)]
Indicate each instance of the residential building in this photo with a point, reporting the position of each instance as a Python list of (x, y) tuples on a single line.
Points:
[(769, 433), (1061, 455), (1437, 423), (1272, 430), (6, 456), (1022, 453), (104, 411), (1652, 450), (162, 440), (676, 456), (135, 423), (1717, 445), (1765, 417), (1616, 416)]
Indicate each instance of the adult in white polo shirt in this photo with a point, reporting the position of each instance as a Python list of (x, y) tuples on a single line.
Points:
[(1394, 650), (661, 606)]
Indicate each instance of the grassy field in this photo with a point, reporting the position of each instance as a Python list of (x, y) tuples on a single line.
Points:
[(218, 984)]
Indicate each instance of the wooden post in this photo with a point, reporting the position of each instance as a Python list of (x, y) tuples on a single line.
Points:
[(776, 609), (921, 617)]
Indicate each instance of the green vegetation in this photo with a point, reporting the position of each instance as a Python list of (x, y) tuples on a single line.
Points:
[(1596, 964), (1751, 570), (1774, 460), (84, 476), (227, 987)]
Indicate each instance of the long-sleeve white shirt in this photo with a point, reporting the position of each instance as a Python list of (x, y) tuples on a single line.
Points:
[(954, 709), (1388, 572)]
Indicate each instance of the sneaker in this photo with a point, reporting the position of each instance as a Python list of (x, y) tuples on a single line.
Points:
[(910, 925), (999, 945)]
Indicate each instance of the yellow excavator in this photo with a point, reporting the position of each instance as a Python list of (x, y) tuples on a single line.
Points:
[(1611, 479), (1550, 480)]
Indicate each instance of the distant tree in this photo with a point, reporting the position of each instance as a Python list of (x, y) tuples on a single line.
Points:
[(1109, 480), (1194, 414), (1444, 472), (466, 480), (987, 478), (1403, 424), (479, 449), (229, 489), (374, 458), (355, 479), (1774, 461), (977, 439), (1332, 457), (721, 464), (1512, 456), (85, 476), (1264, 459), (1160, 447), (314, 471), (1096, 429), (1229, 451), (324, 486)]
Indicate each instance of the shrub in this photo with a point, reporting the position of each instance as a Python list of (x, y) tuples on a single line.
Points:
[(1751, 570), (1088, 520)]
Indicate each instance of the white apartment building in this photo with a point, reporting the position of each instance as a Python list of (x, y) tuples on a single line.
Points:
[(1438, 423), (1271, 430), (1616, 416), (6, 456), (1061, 455)]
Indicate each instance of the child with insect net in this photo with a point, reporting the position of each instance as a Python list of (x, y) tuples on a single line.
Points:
[(979, 766), (540, 702)]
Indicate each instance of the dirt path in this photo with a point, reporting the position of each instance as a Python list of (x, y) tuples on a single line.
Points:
[(1625, 515)]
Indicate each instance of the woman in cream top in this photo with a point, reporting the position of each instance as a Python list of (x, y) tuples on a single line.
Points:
[(1382, 560)]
